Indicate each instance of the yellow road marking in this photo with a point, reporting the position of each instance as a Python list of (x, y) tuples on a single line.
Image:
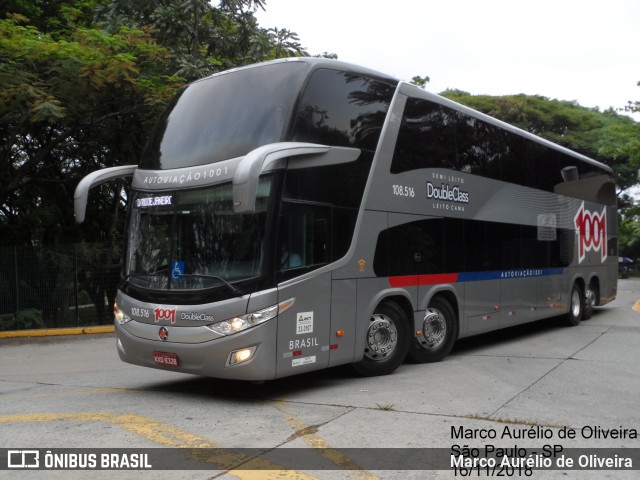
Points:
[(308, 435), (169, 436), (636, 306), (114, 390), (48, 332)]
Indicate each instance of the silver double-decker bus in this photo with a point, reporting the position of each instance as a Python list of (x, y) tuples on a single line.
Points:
[(306, 213)]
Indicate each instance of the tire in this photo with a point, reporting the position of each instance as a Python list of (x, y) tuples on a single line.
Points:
[(387, 341), (440, 331), (590, 301), (576, 306)]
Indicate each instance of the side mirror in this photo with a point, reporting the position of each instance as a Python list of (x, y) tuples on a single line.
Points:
[(272, 157), (93, 179)]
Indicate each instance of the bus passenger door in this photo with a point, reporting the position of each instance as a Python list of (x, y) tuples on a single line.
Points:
[(303, 329)]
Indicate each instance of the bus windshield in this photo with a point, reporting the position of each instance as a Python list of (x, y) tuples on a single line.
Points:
[(192, 239), (224, 116)]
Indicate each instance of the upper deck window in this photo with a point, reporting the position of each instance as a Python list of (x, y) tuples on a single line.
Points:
[(436, 136), (225, 116), (342, 109)]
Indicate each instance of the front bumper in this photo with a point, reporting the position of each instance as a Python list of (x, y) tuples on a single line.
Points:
[(208, 358)]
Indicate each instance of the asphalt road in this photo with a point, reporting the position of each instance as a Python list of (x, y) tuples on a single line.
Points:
[(541, 381)]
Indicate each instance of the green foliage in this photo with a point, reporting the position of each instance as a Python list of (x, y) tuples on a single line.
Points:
[(203, 38), (420, 81), (331, 56), (286, 43), (82, 84), (27, 319), (71, 101), (633, 106)]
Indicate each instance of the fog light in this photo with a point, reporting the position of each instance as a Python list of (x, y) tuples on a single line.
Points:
[(240, 356)]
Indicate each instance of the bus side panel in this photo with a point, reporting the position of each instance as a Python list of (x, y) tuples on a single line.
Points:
[(609, 281), (552, 292), (480, 301), (342, 337), (518, 301), (303, 329)]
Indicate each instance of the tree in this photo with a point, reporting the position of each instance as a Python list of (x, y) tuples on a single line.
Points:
[(71, 101), (286, 43), (420, 81), (203, 38), (83, 82), (633, 106)]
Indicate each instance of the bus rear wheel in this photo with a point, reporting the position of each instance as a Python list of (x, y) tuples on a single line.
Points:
[(439, 333), (590, 301), (387, 341), (576, 306)]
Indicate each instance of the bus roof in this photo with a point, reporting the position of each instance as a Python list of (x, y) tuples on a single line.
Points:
[(411, 90), (315, 63)]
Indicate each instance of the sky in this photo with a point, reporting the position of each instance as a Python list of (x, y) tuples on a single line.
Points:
[(586, 51)]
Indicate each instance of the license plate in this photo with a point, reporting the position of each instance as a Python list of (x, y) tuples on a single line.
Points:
[(166, 359)]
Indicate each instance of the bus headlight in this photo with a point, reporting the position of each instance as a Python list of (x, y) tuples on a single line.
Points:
[(120, 316), (244, 322)]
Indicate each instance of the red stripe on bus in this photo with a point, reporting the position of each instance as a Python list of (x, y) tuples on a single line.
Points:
[(417, 280)]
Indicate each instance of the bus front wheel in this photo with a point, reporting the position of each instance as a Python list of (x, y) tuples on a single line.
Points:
[(387, 341), (439, 333)]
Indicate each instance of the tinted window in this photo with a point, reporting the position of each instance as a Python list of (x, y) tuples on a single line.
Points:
[(339, 109), (342, 109), (448, 245), (304, 238), (435, 136), (225, 116), (339, 186)]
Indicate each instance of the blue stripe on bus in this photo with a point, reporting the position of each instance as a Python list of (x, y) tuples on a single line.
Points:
[(416, 280), (506, 274)]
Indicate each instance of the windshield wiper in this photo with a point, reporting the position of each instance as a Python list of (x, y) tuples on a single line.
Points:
[(157, 273), (236, 291)]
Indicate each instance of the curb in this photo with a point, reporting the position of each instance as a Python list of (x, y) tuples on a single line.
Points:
[(50, 332)]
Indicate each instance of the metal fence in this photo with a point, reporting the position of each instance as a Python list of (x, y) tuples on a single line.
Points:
[(57, 286)]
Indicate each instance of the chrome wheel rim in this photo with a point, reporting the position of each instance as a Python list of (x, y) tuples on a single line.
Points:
[(575, 304), (382, 338), (434, 329), (590, 298)]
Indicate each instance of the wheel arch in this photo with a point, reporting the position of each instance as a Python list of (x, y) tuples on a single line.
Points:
[(401, 297), (579, 279)]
